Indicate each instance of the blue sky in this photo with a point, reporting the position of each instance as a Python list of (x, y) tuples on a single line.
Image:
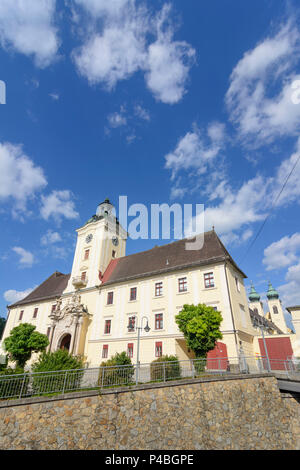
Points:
[(164, 102)]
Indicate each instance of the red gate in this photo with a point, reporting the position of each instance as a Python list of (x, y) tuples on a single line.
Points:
[(279, 350), (217, 358)]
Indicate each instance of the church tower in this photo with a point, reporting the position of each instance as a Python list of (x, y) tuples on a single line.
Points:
[(99, 241), (276, 314), (255, 304)]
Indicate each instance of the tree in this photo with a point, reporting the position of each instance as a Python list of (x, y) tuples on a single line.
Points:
[(200, 325), (23, 341)]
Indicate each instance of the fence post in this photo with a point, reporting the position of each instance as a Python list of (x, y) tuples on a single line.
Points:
[(20, 396), (193, 368), (65, 382), (102, 380)]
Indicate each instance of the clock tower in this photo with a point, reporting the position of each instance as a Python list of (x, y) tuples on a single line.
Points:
[(99, 241)]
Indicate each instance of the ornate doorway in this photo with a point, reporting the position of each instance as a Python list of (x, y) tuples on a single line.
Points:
[(65, 342)]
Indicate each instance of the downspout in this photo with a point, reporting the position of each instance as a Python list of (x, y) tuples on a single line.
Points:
[(232, 317)]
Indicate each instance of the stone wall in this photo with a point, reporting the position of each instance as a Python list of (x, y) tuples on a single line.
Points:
[(231, 413)]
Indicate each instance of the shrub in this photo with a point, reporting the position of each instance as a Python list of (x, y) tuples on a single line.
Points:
[(111, 372), (199, 364), (11, 385), (165, 368), (67, 372)]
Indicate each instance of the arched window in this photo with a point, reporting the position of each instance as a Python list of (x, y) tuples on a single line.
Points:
[(275, 309)]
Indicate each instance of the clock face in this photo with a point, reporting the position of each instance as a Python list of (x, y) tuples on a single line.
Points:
[(115, 241), (89, 238)]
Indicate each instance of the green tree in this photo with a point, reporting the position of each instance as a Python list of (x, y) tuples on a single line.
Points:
[(200, 325), (23, 341)]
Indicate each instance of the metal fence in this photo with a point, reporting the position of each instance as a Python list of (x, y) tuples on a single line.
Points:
[(60, 382)]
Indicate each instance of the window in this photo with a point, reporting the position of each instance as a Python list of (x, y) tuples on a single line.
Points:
[(275, 309), (130, 350), (86, 254), (83, 276), (21, 315), (209, 280), (182, 284), (113, 254), (110, 298), (158, 289), (158, 349), (105, 351), (133, 293), (53, 308), (35, 312), (237, 283), (107, 327), (131, 324), (159, 321)]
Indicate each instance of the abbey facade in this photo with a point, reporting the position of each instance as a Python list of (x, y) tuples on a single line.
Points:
[(109, 299)]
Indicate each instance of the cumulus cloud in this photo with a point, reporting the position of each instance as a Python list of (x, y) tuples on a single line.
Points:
[(20, 178), (117, 119), (26, 259), (282, 253), (197, 150), (259, 98), (11, 296), (58, 204), (50, 238), (27, 27), (121, 46)]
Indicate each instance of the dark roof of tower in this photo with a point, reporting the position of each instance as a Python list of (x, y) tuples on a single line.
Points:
[(51, 288), (165, 258)]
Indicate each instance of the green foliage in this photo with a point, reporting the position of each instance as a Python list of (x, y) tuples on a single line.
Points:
[(2, 326), (112, 374), (200, 325), (59, 362), (165, 368), (23, 341)]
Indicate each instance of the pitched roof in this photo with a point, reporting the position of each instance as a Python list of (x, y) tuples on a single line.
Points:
[(165, 258), (255, 317), (51, 288)]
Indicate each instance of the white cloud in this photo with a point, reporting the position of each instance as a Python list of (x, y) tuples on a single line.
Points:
[(26, 257), (11, 296), (27, 26), (259, 97), (282, 253), (122, 47), (290, 292), (50, 238), (20, 178), (117, 119), (54, 96), (196, 150), (141, 113), (58, 204)]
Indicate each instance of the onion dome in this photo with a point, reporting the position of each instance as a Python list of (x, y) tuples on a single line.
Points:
[(254, 296), (272, 293)]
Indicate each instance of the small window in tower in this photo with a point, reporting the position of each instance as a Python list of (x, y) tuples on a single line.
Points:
[(275, 309), (86, 254), (83, 276), (113, 255), (53, 308)]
